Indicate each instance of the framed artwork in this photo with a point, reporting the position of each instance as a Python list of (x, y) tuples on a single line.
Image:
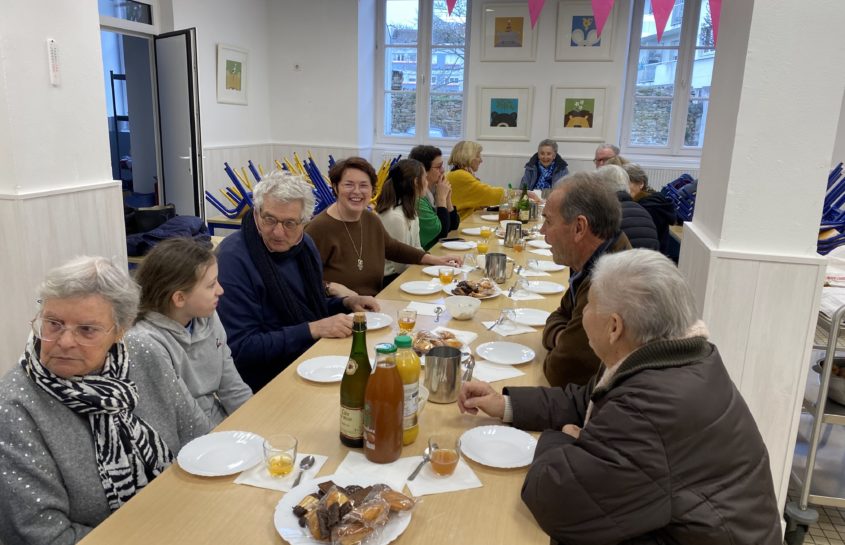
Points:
[(577, 36), (508, 35), (578, 113), (504, 113), (232, 72)]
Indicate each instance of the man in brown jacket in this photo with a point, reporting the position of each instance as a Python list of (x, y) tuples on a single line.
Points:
[(582, 223)]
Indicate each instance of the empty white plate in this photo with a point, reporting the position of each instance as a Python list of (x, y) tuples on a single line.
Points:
[(221, 453), (434, 270), (377, 320), (547, 266), (505, 353), (544, 287), (459, 245), (490, 217), (421, 287), (474, 231), (323, 368), (498, 446), (539, 244), (530, 316)]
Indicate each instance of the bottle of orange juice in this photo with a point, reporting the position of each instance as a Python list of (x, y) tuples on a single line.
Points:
[(408, 365)]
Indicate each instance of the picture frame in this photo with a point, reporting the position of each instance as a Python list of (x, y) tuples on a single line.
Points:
[(577, 37), (508, 35), (232, 74), (578, 113), (504, 113)]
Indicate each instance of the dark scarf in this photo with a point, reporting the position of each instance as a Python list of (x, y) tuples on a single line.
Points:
[(289, 310), (544, 178), (130, 453)]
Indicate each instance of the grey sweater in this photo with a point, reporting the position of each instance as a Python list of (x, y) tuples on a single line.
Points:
[(50, 488), (202, 359)]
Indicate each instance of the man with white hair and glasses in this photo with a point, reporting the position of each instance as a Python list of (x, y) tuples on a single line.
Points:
[(605, 152), (659, 447)]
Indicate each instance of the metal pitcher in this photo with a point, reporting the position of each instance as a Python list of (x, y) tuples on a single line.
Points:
[(496, 267), (443, 376), (533, 211), (513, 232)]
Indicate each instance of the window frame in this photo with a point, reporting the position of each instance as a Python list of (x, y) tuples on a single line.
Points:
[(425, 50), (682, 84)]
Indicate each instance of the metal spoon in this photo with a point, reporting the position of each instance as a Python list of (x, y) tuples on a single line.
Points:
[(426, 458), (437, 312), (304, 466)]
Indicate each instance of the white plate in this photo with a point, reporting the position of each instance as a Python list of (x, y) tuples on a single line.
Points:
[(548, 266), (449, 287), (544, 287), (323, 368), (459, 245), (421, 287), (474, 231), (530, 316), (505, 353), (221, 453), (288, 525), (377, 320), (490, 217), (498, 446), (539, 244), (434, 270)]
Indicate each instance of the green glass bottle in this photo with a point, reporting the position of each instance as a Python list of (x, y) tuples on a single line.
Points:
[(353, 385), (524, 205)]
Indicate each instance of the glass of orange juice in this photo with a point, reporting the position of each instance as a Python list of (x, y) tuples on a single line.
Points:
[(483, 246), (519, 245), (407, 320), (280, 454), (486, 231), (444, 454), (446, 275)]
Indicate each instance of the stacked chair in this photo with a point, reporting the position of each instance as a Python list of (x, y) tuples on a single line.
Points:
[(682, 192), (832, 226)]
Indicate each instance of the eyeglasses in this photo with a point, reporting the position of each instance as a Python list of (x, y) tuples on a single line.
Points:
[(52, 330), (270, 223)]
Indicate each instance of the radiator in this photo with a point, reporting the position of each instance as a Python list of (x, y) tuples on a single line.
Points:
[(658, 176)]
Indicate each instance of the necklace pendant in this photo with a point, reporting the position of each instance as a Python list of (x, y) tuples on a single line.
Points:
[(360, 264)]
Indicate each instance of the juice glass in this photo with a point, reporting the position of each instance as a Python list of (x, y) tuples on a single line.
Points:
[(486, 231), (280, 454), (504, 211), (519, 245), (444, 452), (483, 246), (407, 320), (446, 275)]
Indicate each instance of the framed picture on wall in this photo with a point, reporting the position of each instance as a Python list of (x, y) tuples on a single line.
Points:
[(577, 35), (231, 74), (578, 113), (504, 113), (508, 35)]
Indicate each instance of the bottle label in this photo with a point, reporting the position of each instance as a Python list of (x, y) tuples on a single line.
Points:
[(351, 366), (524, 214), (351, 422), (412, 397)]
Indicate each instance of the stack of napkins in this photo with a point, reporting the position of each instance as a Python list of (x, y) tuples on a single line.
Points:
[(525, 295), (508, 328), (541, 251), (259, 476), (491, 372), (424, 309), (531, 272), (393, 474), (427, 481)]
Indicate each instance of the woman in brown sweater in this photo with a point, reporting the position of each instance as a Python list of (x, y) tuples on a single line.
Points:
[(352, 241)]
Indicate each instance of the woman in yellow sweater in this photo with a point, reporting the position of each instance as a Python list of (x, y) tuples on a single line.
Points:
[(468, 192)]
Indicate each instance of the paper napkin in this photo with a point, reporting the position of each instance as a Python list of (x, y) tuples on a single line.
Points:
[(465, 337), (423, 309), (427, 482), (508, 328), (530, 272), (393, 474), (258, 475), (491, 372), (525, 295), (541, 251)]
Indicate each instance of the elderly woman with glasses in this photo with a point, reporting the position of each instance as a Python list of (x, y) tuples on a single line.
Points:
[(659, 447), (87, 419), (276, 304), (545, 168)]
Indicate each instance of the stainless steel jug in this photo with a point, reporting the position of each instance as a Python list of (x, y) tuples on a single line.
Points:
[(513, 232), (443, 375), (496, 267)]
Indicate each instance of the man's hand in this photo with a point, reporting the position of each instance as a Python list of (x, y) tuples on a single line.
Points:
[(573, 430), (361, 303), (333, 327), (476, 395)]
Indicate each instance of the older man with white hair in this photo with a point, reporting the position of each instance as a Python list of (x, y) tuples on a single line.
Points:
[(276, 304), (603, 153), (659, 447)]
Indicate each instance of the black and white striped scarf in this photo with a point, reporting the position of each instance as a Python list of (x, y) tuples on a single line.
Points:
[(130, 453)]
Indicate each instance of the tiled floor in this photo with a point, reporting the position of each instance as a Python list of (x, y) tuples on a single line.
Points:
[(830, 528)]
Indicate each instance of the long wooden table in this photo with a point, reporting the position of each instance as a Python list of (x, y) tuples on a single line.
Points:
[(182, 508)]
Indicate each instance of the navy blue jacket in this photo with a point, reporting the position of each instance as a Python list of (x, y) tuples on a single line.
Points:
[(532, 171), (637, 223)]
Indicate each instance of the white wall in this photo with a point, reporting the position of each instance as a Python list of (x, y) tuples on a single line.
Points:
[(839, 145), (244, 24)]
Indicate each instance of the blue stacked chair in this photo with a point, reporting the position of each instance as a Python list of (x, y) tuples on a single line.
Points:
[(832, 225), (682, 192)]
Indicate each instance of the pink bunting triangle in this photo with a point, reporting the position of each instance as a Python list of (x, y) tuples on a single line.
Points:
[(450, 4), (601, 11), (715, 13), (534, 9), (661, 9)]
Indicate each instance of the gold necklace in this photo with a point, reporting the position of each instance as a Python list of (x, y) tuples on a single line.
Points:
[(357, 252)]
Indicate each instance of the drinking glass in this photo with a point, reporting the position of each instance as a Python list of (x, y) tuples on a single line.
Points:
[(280, 454), (533, 264), (445, 452), (519, 246), (446, 275), (483, 246), (504, 211), (469, 261), (407, 319), (486, 231)]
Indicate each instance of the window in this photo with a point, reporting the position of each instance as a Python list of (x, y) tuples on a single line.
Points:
[(422, 73), (668, 88)]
